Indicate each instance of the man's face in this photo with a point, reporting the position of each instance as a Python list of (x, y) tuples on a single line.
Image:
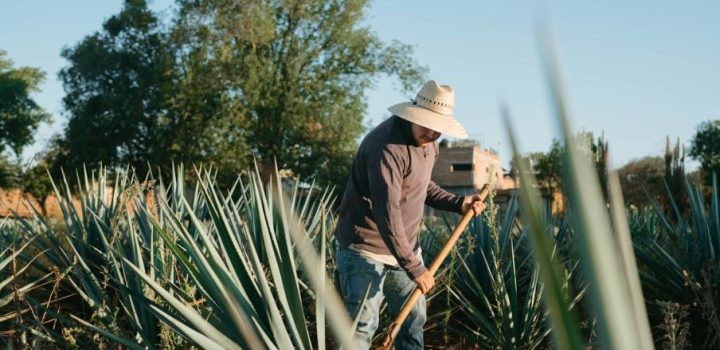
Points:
[(423, 135)]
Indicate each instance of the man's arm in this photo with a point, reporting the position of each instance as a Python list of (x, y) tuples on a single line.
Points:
[(444, 200), (385, 176), (438, 198)]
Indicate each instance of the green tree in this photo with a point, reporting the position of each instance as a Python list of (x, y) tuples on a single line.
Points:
[(641, 178), (293, 73), (9, 173), (646, 178), (118, 85), (35, 179), (705, 148), (548, 166), (20, 115), (227, 82)]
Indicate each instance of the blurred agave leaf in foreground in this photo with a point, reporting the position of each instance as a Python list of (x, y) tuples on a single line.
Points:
[(611, 271), (565, 330)]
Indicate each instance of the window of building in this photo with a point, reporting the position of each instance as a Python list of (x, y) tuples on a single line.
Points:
[(461, 167)]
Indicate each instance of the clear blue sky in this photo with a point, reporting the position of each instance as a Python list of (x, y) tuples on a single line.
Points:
[(637, 71)]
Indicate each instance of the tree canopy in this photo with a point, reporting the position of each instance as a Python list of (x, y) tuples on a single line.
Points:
[(641, 178), (20, 115), (118, 87), (705, 148), (548, 167), (225, 83)]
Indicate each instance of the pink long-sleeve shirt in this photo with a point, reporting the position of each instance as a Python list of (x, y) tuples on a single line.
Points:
[(382, 207)]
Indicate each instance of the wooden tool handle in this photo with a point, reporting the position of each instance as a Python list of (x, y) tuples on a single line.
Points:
[(407, 307)]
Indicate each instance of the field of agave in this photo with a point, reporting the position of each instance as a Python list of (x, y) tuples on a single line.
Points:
[(181, 264), (169, 262), (176, 264), (184, 265)]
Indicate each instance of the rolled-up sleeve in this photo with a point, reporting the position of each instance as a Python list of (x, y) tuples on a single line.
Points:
[(438, 198), (385, 176)]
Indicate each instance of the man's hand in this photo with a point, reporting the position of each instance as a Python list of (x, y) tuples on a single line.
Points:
[(473, 202), (425, 282)]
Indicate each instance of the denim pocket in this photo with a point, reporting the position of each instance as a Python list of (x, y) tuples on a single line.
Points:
[(357, 274)]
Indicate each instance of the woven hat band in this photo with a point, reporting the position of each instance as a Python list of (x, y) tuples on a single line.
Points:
[(434, 105)]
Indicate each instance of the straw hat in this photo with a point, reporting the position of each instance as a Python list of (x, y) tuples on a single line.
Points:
[(432, 108)]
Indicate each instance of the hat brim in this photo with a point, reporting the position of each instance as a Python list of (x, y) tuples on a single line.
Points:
[(444, 124)]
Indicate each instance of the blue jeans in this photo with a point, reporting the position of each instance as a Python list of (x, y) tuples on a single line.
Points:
[(358, 273)]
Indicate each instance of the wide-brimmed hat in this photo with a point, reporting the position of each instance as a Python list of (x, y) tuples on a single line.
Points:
[(432, 108)]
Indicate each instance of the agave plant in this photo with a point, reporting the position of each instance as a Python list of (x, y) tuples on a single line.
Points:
[(680, 263), (496, 289), (242, 260), (149, 265), (604, 246), (18, 279), (86, 250)]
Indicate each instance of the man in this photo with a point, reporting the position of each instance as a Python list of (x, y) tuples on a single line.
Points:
[(382, 208)]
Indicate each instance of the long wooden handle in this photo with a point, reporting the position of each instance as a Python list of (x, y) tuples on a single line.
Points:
[(407, 307)]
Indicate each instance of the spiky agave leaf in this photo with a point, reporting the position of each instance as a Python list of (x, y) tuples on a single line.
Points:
[(498, 287), (565, 329), (242, 258), (679, 261), (610, 291)]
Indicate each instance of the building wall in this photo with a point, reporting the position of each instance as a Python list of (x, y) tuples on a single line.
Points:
[(466, 167), (443, 173), (487, 166)]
